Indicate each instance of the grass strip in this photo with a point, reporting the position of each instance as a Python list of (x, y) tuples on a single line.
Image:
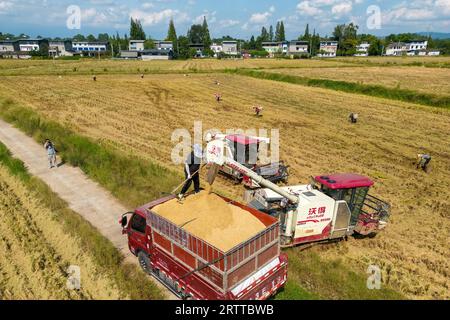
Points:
[(351, 87)]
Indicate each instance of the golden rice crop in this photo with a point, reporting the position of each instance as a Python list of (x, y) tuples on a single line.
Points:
[(138, 116)]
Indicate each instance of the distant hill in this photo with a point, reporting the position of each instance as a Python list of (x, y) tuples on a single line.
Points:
[(435, 35)]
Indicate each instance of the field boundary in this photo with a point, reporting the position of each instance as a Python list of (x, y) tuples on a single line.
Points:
[(351, 87), (130, 281)]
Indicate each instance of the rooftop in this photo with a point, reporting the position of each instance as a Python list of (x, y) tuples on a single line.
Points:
[(344, 181)]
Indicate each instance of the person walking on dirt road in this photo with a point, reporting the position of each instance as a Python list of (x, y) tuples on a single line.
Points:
[(191, 170), (51, 153)]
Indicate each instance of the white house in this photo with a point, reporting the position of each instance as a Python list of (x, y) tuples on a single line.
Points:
[(216, 48), (298, 47), (136, 45), (230, 47), (90, 48), (396, 49), (273, 47), (164, 45), (328, 49), (62, 48), (362, 50), (156, 54)]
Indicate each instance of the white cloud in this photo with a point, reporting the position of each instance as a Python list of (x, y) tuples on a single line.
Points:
[(5, 6), (147, 5), (229, 23), (305, 8), (210, 17), (157, 17), (443, 6), (260, 18), (341, 8), (272, 9)]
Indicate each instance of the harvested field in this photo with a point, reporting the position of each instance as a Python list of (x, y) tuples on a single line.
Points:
[(436, 62), (209, 217), (425, 80), (92, 66), (36, 251), (138, 116)]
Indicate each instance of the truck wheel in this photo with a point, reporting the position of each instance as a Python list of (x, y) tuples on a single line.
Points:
[(144, 262), (372, 235)]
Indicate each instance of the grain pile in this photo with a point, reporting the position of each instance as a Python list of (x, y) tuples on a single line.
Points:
[(209, 217)]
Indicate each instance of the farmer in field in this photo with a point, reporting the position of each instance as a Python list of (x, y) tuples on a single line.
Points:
[(258, 110), (422, 161), (51, 153), (191, 170), (353, 117)]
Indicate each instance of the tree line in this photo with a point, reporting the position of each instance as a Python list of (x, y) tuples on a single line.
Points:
[(345, 34)]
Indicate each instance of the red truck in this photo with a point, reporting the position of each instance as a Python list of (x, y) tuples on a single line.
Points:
[(194, 269)]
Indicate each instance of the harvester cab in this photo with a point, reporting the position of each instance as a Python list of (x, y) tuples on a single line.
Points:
[(368, 213), (245, 150)]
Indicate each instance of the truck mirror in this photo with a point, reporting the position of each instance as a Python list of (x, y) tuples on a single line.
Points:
[(124, 221)]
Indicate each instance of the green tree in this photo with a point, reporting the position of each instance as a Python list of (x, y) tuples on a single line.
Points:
[(91, 38), (346, 36), (149, 44), (103, 37), (172, 36), (195, 34), (183, 47), (79, 37), (271, 34), (282, 33), (206, 38), (136, 30)]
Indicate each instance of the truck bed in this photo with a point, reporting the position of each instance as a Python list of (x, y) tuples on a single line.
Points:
[(225, 269)]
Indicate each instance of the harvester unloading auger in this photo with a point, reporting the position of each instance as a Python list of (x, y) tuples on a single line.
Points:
[(332, 207)]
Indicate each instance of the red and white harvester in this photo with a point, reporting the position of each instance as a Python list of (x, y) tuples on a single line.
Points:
[(332, 207)]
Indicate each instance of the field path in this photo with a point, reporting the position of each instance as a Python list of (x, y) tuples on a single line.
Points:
[(83, 195)]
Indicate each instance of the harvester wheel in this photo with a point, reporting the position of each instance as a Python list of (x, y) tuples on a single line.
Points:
[(144, 262)]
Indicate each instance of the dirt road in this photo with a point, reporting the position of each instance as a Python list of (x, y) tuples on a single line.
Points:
[(84, 196)]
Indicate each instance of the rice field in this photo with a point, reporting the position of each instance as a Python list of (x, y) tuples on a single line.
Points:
[(137, 116), (425, 80), (36, 251), (93, 66)]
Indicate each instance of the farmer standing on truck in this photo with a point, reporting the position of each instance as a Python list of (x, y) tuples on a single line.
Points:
[(191, 170), (51, 153)]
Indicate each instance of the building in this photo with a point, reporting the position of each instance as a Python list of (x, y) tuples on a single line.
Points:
[(164, 45), (230, 47), (416, 47), (9, 46), (410, 48), (217, 48), (328, 49), (396, 49), (298, 47), (276, 47), (362, 49), (198, 47), (156, 54), (62, 48), (136, 45), (91, 49)]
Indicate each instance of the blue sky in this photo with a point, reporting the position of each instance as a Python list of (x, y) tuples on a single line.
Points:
[(237, 18)]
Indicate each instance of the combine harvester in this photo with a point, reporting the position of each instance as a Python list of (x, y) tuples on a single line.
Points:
[(332, 207)]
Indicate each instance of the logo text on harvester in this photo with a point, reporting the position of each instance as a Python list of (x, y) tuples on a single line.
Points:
[(231, 309)]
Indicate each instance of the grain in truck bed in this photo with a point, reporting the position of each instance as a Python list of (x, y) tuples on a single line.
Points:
[(211, 218)]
